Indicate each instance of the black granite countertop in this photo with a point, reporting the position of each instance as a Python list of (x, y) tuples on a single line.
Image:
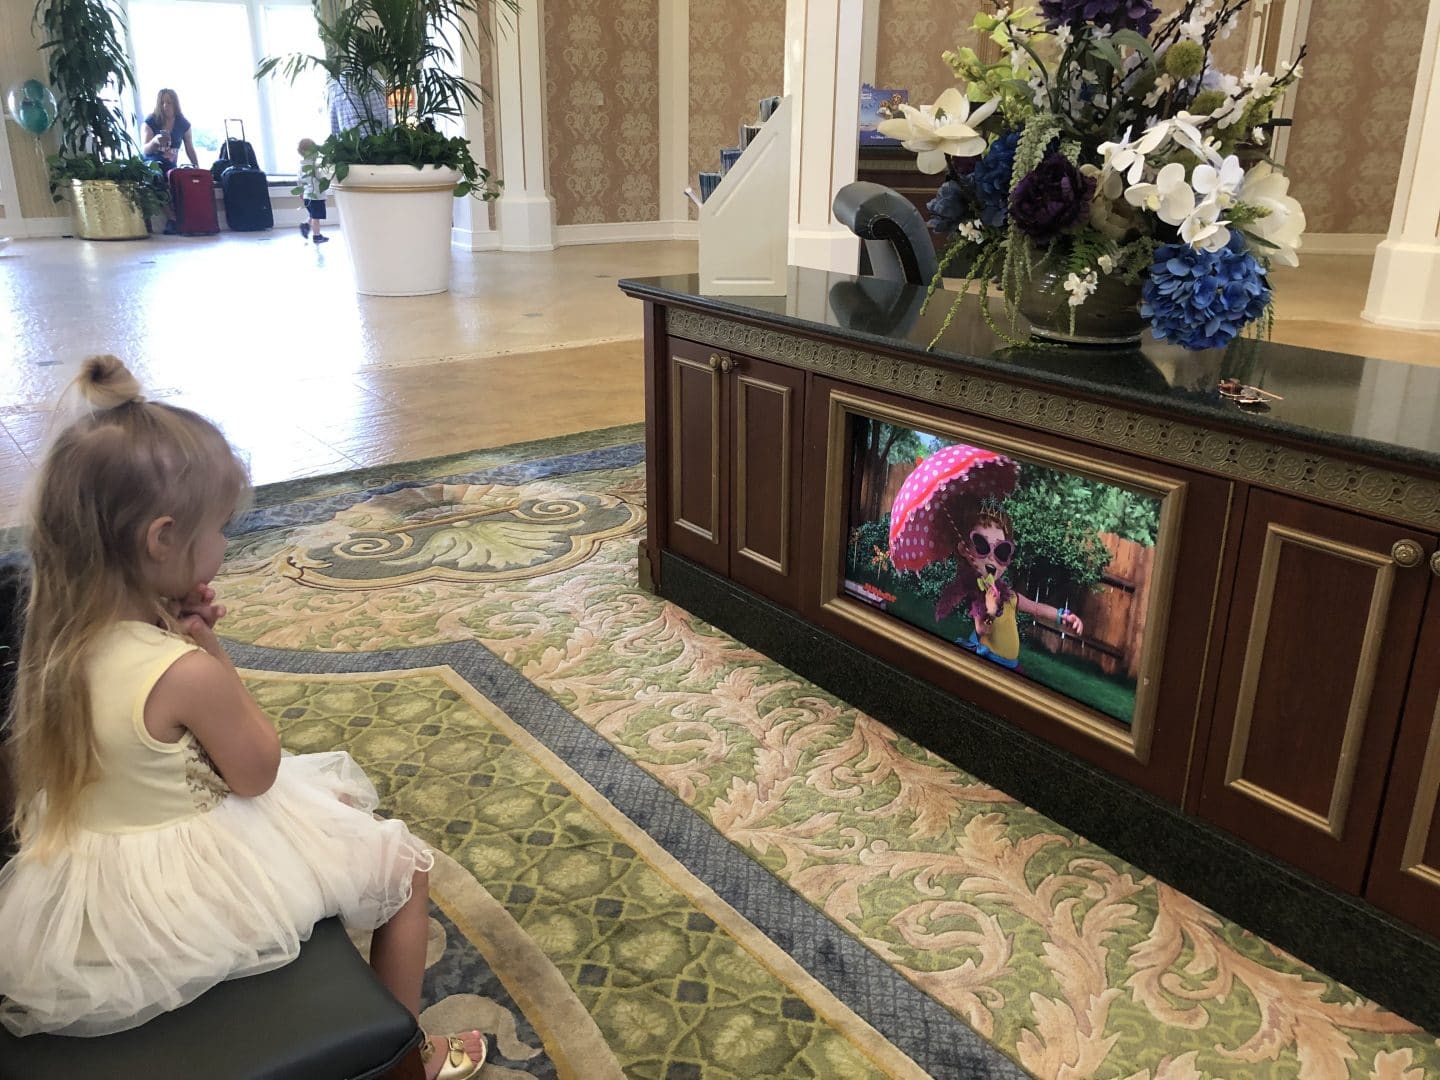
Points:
[(1381, 408)]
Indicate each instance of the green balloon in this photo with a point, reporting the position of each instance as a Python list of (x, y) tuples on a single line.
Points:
[(35, 118), (33, 90)]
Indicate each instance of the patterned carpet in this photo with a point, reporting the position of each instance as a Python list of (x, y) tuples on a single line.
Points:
[(666, 856)]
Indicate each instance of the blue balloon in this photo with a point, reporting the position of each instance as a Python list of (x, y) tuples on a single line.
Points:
[(32, 106)]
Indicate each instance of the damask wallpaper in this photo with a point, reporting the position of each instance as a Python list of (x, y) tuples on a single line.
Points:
[(912, 34), (602, 95), (737, 57), (1351, 111)]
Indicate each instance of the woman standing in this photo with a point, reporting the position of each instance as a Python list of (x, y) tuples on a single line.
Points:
[(162, 134)]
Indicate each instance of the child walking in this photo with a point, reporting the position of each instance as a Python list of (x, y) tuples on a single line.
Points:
[(166, 843), (314, 203)]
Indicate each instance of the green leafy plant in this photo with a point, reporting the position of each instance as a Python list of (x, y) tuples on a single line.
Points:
[(83, 44), (404, 52)]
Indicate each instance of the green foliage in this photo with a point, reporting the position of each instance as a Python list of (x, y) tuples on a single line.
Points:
[(141, 181), (1057, 519), (89, 71), (83, 44), (417, 146), (408, 50)]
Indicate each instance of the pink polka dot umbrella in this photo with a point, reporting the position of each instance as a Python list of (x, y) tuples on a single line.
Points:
[(936, 500)]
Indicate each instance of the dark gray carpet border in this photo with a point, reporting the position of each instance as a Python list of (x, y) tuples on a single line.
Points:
[(933, 1037)]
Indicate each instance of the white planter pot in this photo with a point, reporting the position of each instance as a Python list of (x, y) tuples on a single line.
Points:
[(397, 227)]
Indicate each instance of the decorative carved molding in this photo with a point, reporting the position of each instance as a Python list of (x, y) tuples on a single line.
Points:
[(1315, 476)]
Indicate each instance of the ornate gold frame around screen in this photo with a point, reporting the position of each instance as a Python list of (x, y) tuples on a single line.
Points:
[(1134, 741)]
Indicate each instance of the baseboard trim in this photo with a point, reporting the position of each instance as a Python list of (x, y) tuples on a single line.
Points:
[(625, 232), (1340, 243), (36, 228), (475, 239), (1340, 935)]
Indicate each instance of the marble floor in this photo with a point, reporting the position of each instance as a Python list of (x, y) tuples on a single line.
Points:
[(266, 335)]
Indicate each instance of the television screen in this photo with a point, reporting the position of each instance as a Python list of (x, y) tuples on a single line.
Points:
[(1042, 572)]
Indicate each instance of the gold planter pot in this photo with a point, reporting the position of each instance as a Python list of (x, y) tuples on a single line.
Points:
[(103, 212)]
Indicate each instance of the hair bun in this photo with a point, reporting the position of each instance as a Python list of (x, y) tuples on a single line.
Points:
[(106, 383)]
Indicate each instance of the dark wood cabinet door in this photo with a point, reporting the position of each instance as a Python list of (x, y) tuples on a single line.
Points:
[(699, 448), (765, 404), (1321, 633), (1405, 873)]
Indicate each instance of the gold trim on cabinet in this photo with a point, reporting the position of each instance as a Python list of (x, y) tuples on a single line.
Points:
[(1135, 741), (1314, 475), (781, 567), (1276, 536), (1427, 792), (713, 375)]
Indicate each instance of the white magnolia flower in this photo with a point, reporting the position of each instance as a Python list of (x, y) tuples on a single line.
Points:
[(1018, 59), (1228, 85), (946, 128), (1064, 36), (1170, 197), (1222, 184), (1203, 227), (1107, 264), (1129, 158), (1283, 225), (1080, 288), (1257, 136), (1193, 30), (1184, 128)]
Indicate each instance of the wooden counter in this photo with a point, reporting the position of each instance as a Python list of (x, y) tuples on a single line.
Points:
[(1286, 721)]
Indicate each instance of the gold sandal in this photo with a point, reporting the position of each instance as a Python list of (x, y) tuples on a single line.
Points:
[(458, 1064)]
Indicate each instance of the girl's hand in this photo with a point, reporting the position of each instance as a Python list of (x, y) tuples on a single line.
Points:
[(200, 602)]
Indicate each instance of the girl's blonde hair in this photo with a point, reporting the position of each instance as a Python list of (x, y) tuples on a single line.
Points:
[(106, 478)]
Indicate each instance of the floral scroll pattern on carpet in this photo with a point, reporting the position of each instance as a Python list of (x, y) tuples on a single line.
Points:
[(1073, 962)]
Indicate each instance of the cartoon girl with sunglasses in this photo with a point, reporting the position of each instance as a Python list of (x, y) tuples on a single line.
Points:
[(987, 548)]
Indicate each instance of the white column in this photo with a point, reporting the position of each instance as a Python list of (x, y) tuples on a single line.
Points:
[(1405, 284), (471, 229), (526, 213), (675, 115), (823, 45)]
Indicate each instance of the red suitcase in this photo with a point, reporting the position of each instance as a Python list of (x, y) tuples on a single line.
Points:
[(192, 194)]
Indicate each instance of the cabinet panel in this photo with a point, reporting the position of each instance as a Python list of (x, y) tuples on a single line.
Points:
[(1322, 631), (698, 507), (1405, 874), (765, 402)]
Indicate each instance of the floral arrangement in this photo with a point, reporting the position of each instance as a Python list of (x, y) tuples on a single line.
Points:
[(1105, 147)]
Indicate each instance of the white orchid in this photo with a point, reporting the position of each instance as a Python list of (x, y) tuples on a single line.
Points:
[(947, 128), (1222, 184), (1282, 225), (1170, 197), (1203, 227), (1129, 157), (1080, 287)]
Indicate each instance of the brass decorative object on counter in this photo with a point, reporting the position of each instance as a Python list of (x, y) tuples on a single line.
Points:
[(102, 211)]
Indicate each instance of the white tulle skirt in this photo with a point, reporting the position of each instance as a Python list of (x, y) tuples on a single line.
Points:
[(124, 926)]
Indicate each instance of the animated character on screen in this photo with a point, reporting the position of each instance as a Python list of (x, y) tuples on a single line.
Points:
[(950, 506)]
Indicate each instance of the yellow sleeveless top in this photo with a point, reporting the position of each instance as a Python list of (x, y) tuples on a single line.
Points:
[(144, 783), (1004, 637)]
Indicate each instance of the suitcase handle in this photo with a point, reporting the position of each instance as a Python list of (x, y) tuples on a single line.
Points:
[(237, 120)]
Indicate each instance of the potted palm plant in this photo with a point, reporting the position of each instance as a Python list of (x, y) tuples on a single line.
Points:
[(395, 181), (112, 192)]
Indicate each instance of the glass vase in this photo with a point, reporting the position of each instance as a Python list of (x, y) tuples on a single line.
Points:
[(1110, 315)]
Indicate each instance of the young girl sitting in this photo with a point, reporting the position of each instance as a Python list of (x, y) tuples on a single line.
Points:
[(165, 841)]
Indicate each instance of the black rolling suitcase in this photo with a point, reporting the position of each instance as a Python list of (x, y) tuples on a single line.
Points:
[(244, 188)]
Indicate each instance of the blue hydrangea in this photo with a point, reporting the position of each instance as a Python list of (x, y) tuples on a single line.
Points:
[(1203, 299), (951, 205), (992, 179)]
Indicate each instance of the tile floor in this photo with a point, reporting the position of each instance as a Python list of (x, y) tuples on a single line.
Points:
[(266, 335)]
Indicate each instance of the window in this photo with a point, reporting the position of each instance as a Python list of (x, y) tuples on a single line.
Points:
[(207, 52)]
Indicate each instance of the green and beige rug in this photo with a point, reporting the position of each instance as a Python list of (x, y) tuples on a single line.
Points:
[(666, 856)]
